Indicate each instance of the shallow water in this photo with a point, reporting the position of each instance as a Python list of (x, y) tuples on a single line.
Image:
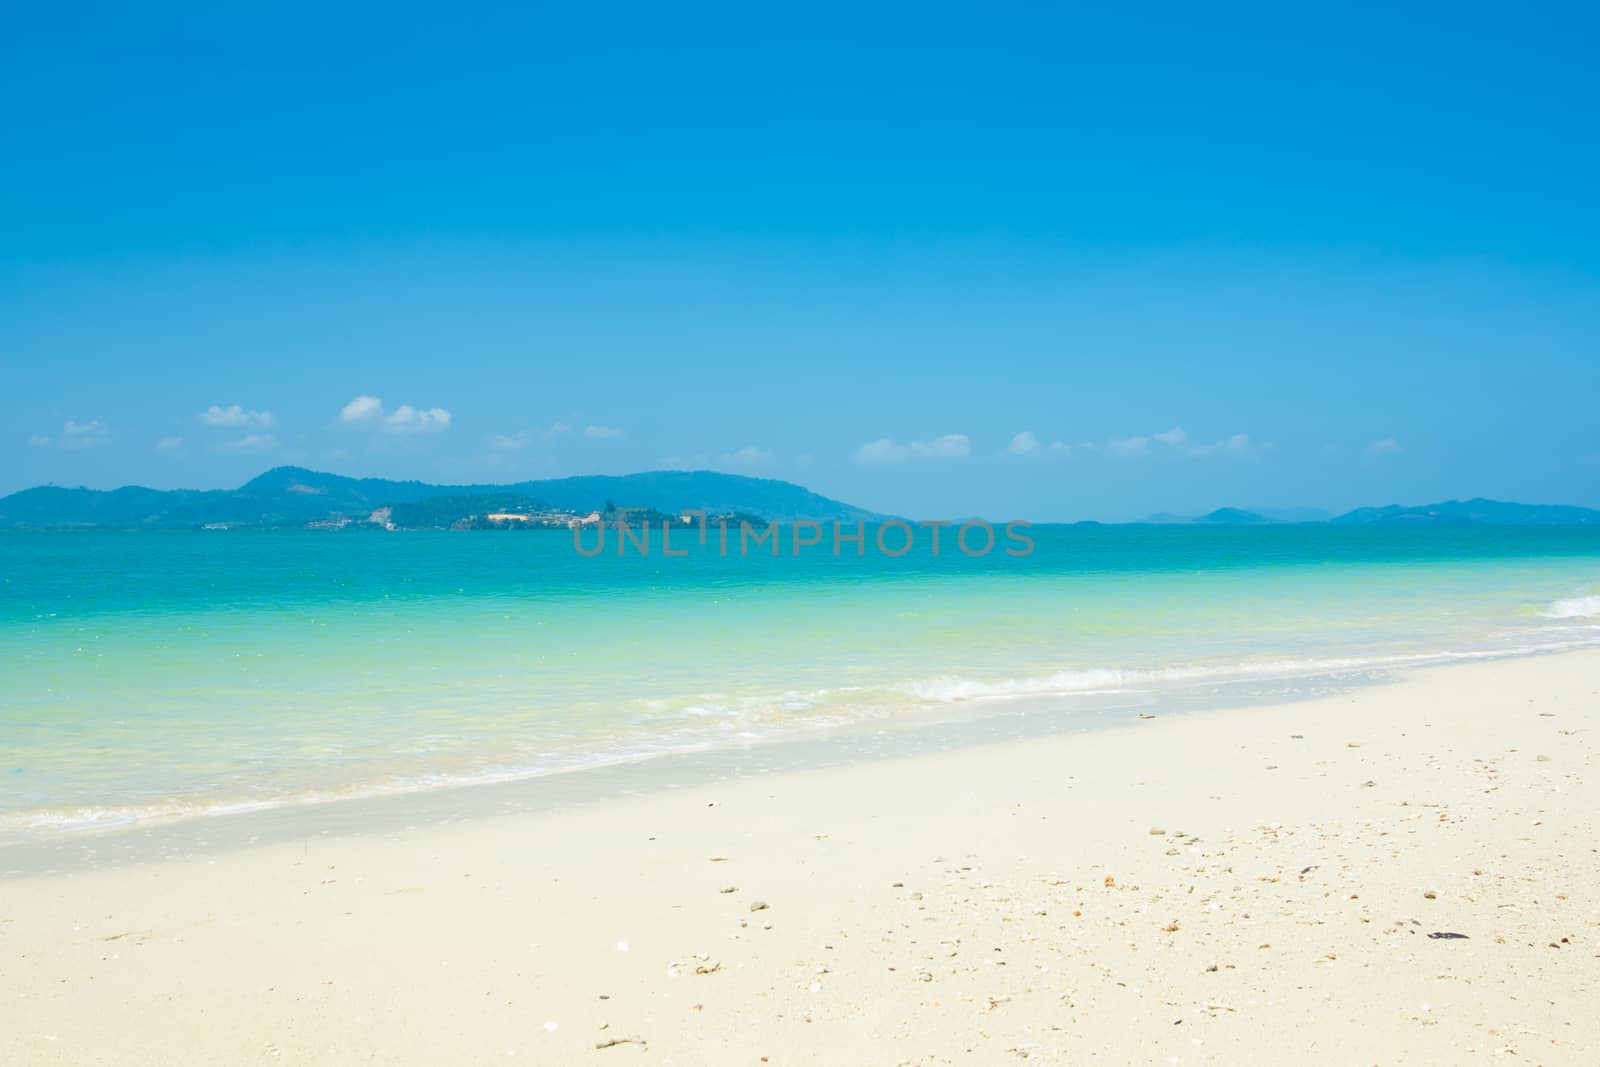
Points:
[(157, 673)]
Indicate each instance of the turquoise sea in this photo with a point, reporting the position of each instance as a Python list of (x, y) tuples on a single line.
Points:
[(152, 675)]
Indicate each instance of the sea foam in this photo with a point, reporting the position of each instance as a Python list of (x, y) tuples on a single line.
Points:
[(1575, 607)]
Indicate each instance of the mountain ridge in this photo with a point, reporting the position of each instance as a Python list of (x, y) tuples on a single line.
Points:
[(1478, 511), (296, 495), (299, 496)]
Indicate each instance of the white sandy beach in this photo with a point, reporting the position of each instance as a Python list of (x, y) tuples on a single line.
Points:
[(1260, 885)]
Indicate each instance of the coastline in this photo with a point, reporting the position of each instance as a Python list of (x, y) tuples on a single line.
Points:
[(990, 902), (55, 841)]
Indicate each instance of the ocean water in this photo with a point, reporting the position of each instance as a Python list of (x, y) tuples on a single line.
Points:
[(156, 675)]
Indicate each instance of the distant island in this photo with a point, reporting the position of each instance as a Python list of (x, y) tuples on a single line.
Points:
[(296, 497), (1478, 512)]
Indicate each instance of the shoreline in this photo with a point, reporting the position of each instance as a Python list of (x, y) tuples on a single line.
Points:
[(960, 722), (1258, 881)]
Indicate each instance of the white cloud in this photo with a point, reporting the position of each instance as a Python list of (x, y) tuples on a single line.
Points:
[(516, 442), (1237, 445), (950, 446), (1129, 446), (1139, 444), (361, 409), (1386, 447), (84, 434), (234, 417), (602, 433), (883, 450), (250, 443), (38, 440), (748, 456), (407, 419), (1177, 440), (169, 445), (369, 411), (1027, 443)]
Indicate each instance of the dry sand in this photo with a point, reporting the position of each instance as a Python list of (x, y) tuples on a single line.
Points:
[(1408, 873)]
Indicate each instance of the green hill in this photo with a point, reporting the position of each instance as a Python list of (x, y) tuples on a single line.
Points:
[(294, 496)]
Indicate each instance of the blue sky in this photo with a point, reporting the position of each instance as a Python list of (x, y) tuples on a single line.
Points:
[(940, 261)]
